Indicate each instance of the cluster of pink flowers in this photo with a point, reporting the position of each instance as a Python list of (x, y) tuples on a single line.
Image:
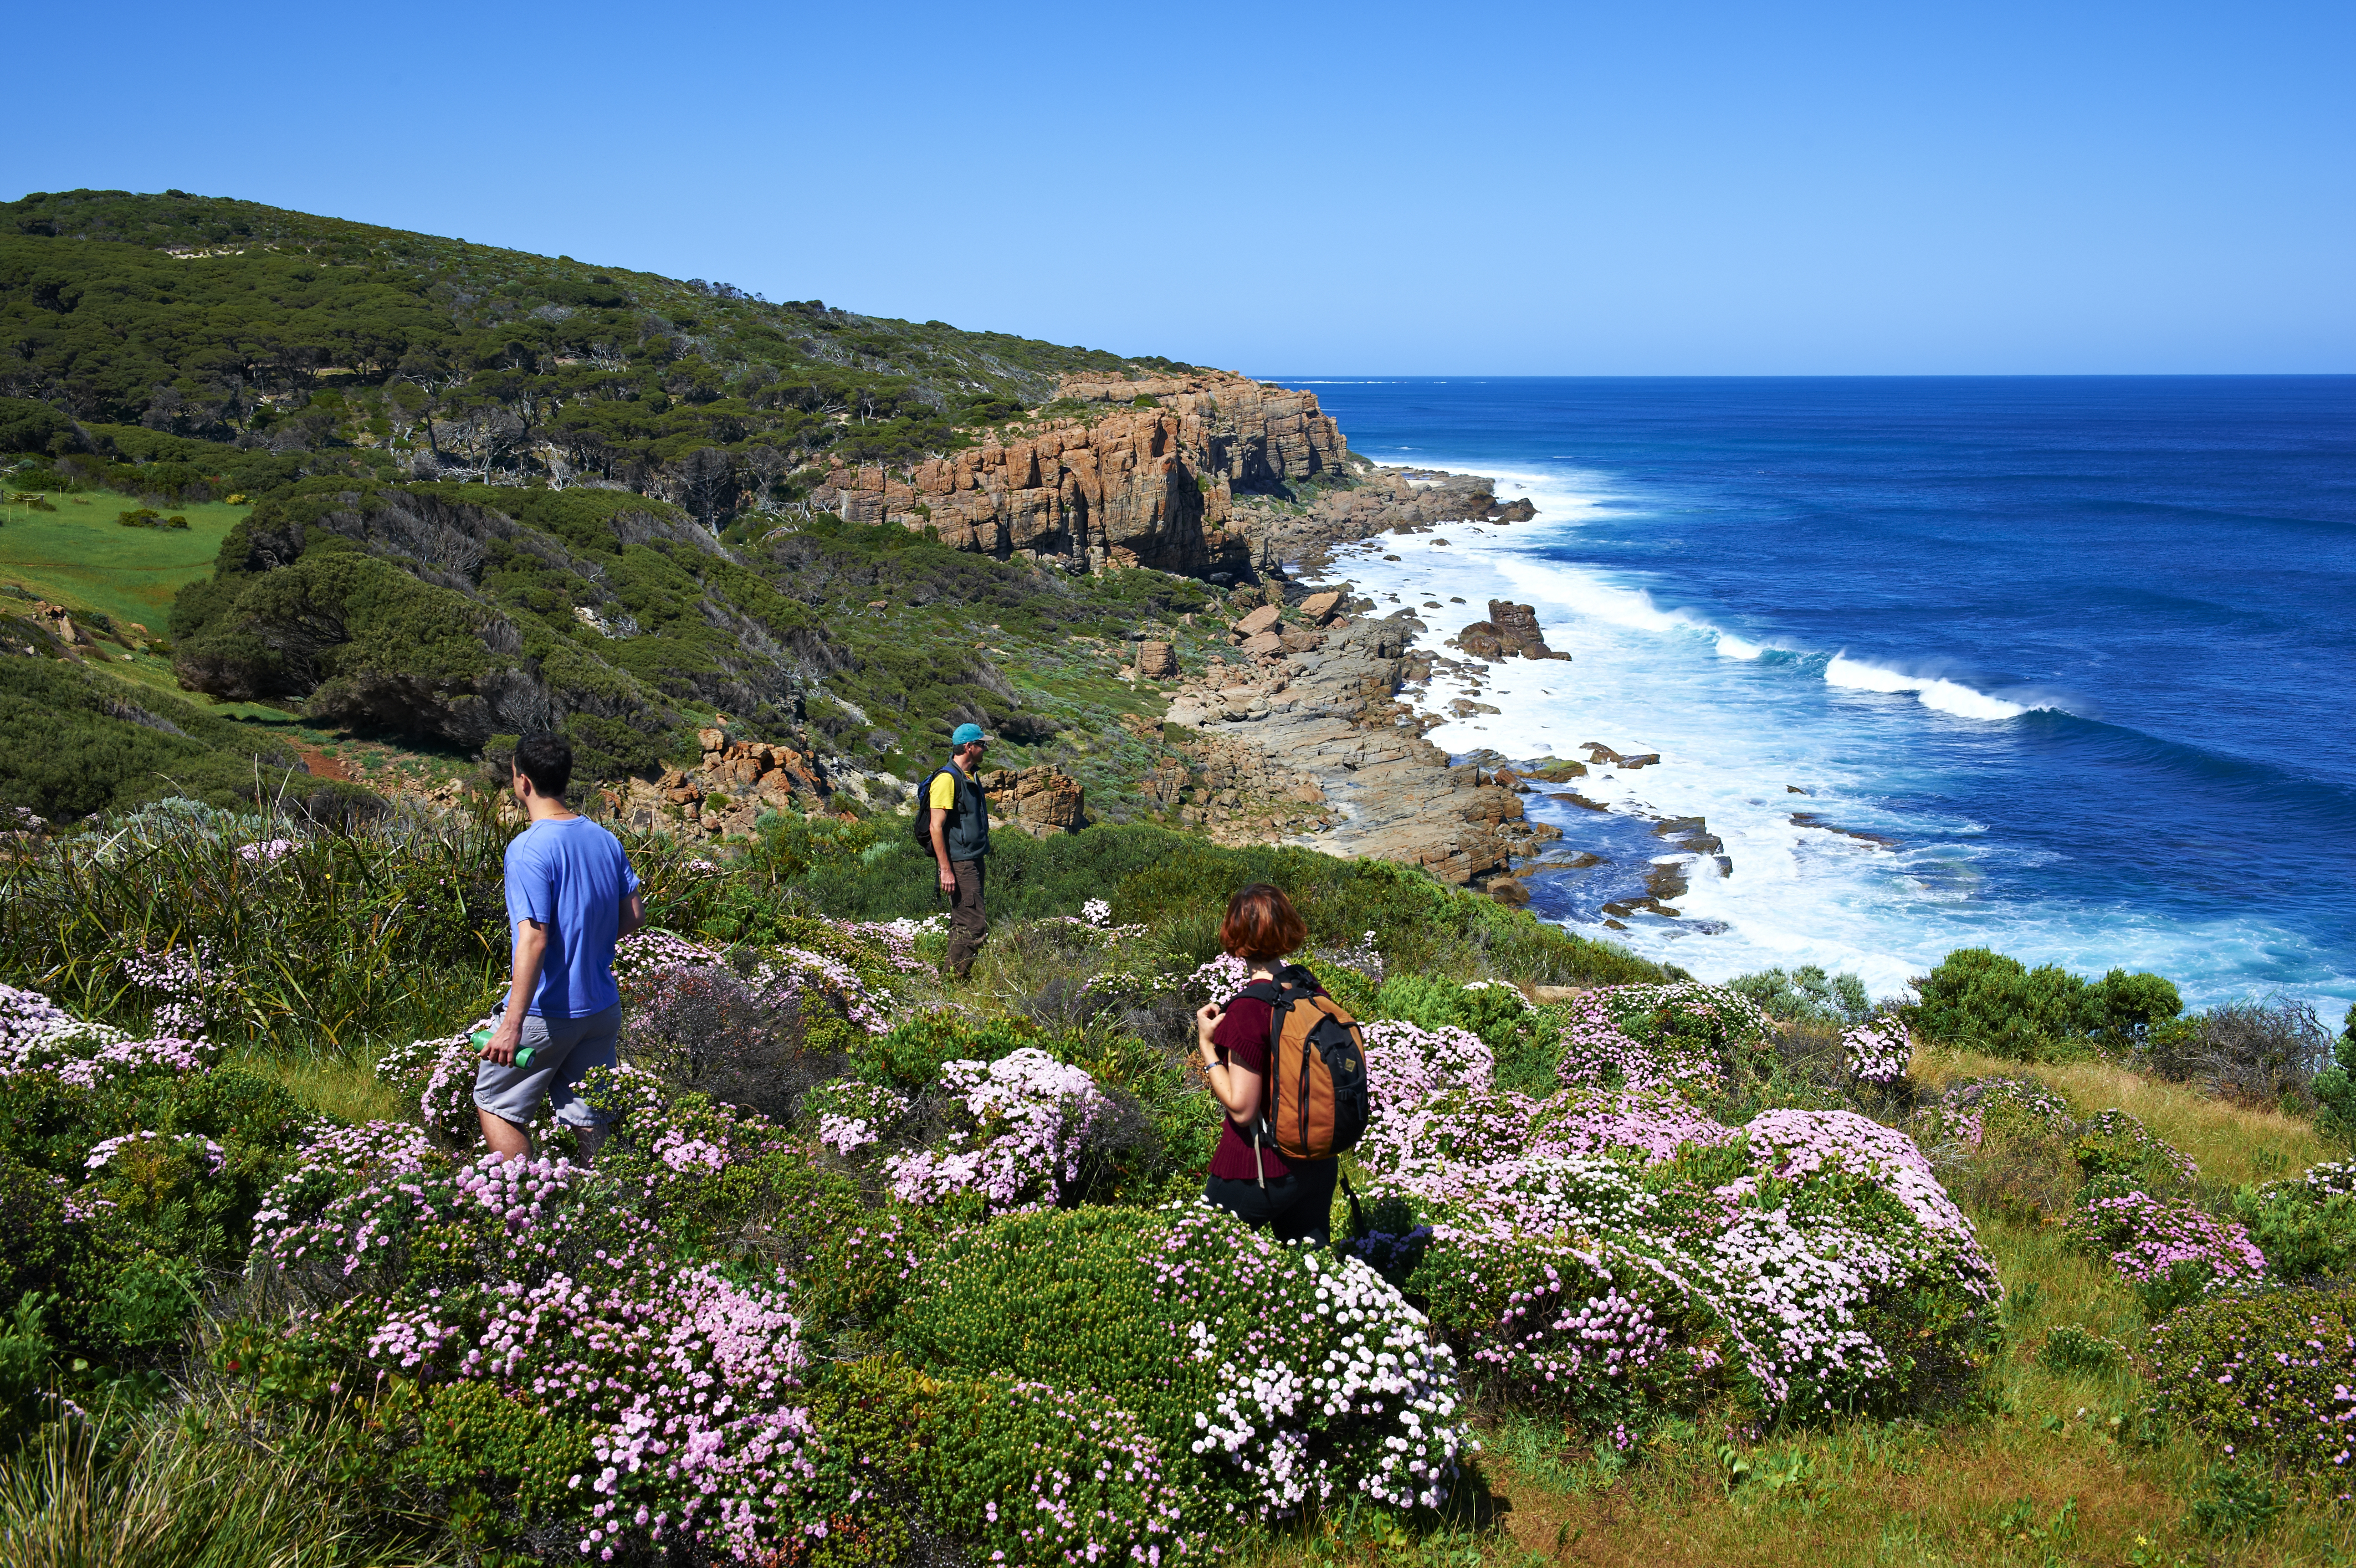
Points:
[(1614, 1036), (1650, 1124), (1030, 1118), (1878, 1050), (199, 990), (1217, 980), (2169, 1242), (39, 1036), (1361, 955), (1407, 1065), (852, 1113), (264, 849), (335, 1197)]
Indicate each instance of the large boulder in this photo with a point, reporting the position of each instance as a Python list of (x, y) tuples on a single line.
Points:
[(1156, 661), (1517, 630), (1260, 620), (1039, 801)]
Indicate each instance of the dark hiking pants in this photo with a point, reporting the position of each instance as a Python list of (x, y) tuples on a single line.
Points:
[(967, 923)]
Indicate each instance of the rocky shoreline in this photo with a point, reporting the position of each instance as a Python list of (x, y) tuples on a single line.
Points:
[(1300, 732)]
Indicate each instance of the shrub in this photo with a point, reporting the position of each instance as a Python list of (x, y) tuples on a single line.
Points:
[(2073, 1348), (1272, 1378), (1995, 1004), (1807, 995), (2264, 1379), (2112, 1142), (1807, 1263), (2167, 1249), (2255, 1053), (2305, 1226), (2335, 1086)]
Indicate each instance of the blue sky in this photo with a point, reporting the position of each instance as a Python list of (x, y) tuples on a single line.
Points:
[(1577, 189)]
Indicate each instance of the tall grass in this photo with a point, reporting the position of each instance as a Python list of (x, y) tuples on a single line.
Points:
[(311, 940), (208, 1487), (2232, 1144)]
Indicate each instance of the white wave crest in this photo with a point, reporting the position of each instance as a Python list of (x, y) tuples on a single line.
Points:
[(1930, 691)]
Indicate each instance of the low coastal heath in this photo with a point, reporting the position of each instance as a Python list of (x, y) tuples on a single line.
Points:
[(1830, 780)]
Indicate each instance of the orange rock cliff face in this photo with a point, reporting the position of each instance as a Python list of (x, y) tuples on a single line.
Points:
[(1135, 486)]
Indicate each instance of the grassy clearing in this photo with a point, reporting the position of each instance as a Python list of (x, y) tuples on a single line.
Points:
[(2231, 1144), (79, 557)]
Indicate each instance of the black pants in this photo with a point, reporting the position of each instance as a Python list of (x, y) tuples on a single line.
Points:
[(1295, 1207)]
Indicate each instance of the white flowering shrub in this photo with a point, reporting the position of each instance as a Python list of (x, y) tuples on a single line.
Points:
[(1272, 1378), (1026, 1119), (1878, 1050)]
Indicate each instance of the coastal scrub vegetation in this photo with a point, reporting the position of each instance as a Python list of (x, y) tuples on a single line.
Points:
[(878, 1270), (233, 324)]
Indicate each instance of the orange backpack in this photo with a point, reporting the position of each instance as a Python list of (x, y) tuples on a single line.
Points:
[(1316, 1102)]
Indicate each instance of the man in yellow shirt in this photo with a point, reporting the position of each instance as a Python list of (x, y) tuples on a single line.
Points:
[(960, 837)]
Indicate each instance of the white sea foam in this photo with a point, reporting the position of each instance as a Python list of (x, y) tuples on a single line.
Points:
[(1930, 691), (1735, 730)]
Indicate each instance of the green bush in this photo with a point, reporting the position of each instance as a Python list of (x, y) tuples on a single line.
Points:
[(2264, 1377), (1190, 1322), (2306, 1225), (1807, 995), (2335, 1087), (1991, 1003), (2074, 1348)]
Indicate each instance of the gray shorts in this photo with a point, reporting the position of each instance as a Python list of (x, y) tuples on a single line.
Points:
[(563, 1051)]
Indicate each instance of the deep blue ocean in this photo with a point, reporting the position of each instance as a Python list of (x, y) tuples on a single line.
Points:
[(2077, 653)]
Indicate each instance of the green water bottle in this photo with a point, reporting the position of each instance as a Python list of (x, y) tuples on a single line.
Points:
[(482, 1037)]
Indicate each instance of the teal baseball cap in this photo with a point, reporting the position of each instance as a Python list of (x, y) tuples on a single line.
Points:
[(967, 734)]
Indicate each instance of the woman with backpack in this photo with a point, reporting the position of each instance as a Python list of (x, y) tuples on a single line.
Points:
[(1319, 1106)]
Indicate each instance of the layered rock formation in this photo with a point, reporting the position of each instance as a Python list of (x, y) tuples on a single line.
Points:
[(1039, 801), (1149, 483), (724, 794), (1305, 740)]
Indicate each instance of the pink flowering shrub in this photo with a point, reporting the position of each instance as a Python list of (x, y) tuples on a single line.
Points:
[(1406, 1065), (1690, 1040), (1809, 1261), (197, 990), (1018, 1145), (39, 1036), (852, 1114), (2166, 1247)]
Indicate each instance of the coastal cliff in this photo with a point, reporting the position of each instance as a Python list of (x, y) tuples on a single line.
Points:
[(1151, 481)]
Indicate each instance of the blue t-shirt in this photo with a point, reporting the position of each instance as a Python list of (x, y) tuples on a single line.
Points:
[(571, 875)]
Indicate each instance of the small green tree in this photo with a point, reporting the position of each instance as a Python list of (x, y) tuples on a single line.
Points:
[(2335, 1087)]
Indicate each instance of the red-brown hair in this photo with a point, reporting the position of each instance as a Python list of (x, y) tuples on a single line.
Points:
[(1261, 923)]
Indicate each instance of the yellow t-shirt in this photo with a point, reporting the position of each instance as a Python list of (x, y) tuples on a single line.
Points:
[(943, 796)]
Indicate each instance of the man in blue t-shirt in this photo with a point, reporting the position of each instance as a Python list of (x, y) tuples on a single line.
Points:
[(571, 896)]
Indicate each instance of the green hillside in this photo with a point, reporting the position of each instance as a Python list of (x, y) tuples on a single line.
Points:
[(237, 323), (489, 492)]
